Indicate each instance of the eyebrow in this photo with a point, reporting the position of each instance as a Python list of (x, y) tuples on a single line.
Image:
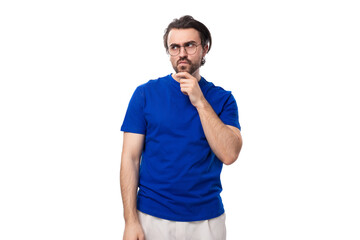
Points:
[(176, 44)]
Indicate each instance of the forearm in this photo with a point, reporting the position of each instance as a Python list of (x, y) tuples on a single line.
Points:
[(129, 178), (223, 141)]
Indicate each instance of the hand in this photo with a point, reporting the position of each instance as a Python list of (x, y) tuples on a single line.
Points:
[(190, 86), (133, 231)]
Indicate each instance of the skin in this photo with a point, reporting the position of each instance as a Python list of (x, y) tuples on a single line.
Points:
[(185, 62), (224, 140), (129, 175)]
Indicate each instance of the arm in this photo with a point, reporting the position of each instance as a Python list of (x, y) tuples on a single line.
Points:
[(129, 179), (224, 140)]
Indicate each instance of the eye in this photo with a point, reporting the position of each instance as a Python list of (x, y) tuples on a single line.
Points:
[(189, 45), (174, 47)]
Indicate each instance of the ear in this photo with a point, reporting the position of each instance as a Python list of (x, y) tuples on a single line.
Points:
[(205, 50)]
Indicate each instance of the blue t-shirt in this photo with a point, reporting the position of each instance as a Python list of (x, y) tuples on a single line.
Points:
[(179, 173)]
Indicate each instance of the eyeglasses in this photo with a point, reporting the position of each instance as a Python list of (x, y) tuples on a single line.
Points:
[(190, 48)]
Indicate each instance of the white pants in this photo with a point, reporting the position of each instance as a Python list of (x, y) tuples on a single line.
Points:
[(161, 229)]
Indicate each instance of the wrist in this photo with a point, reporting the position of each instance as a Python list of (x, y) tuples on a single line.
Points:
[(132, 222), (202, 104), (132, 219)]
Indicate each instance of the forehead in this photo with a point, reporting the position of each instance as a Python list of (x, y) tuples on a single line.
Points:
[(180, 36)]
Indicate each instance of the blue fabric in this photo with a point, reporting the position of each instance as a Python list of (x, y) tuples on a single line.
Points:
[(179, 174)]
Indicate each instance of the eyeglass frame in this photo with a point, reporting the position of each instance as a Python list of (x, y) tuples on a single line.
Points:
[(184, 46)]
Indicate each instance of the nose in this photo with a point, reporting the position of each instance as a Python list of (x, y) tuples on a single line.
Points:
[(182, 52)]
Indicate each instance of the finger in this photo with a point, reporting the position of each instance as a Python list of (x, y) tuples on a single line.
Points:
[(185, 87), (185, 81), (184, 90), (183, 75)]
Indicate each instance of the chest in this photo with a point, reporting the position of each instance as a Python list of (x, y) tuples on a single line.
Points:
[(169, 112)]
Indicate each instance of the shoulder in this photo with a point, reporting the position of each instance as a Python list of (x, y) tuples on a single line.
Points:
[(151, 86), (215, 92), (154, 83)]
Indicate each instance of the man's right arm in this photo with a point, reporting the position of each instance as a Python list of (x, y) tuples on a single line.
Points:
[(129, 179)]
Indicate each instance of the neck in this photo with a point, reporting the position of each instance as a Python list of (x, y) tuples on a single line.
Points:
[(196, 75)]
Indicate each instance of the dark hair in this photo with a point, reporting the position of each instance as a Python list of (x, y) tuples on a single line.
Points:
[(189, 22)]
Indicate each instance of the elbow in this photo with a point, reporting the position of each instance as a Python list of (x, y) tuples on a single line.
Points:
[(233, 156), (231, 159)]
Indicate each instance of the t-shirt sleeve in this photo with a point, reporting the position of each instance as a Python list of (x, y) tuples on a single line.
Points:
[(134, 120), (229, 114)]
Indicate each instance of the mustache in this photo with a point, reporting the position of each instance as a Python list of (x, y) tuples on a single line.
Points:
[(184, 59)]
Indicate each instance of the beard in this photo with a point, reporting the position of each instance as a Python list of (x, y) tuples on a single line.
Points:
[(190, 68)]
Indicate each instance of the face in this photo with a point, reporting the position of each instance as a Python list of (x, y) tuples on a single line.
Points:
[(183, 62)]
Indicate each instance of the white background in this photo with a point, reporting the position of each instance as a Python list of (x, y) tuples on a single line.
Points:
[(69, 68)]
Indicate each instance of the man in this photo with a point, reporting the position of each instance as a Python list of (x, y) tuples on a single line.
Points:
[(182, 128)]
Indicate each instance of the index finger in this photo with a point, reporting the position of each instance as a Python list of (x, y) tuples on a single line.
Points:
[(183, 75)]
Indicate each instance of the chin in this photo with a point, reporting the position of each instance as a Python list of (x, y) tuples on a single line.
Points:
[(182, 69)]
